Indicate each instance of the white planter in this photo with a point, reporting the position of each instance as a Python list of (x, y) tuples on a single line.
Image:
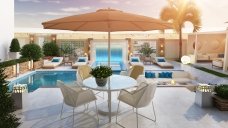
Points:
[(14, 55), (203, 99)]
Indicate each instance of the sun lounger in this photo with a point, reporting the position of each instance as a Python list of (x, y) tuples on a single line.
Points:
[(135, 61), (161, 62), (56, 61), (80, 61)]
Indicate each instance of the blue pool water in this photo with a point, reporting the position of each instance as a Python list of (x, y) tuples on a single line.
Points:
[(102, 54), (44, 79), (117, 67)]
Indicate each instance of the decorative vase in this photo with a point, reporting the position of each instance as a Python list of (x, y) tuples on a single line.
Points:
[(101, 81)]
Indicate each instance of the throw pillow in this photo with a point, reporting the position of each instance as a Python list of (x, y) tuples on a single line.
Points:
[(81, 60), (55, 60), (161, 60), (161, 75), (134, 60)]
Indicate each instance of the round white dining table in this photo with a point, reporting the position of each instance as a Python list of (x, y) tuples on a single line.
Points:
[(115, 83)]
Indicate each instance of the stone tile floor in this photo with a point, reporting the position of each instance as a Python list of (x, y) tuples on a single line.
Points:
[(174, 108)]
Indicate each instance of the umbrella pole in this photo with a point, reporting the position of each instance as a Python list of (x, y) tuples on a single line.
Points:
[(109, 91)]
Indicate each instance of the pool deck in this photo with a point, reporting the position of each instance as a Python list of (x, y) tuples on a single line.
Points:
[(175, 108)]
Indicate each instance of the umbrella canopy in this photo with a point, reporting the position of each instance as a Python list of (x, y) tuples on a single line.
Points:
[(107, 20)]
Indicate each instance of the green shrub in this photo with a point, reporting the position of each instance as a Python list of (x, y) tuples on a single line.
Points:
[(101, 72), (146, 50), (7, 119), (31, 51), (7, 63), (22, 60), (51, 49), (222, 91), (15, 45)]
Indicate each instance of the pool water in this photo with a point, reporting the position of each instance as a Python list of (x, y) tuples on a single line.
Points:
[(117, 67), (44, 79)]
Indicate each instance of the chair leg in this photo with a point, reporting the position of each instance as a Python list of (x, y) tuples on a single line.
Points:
[(97, 112), (137, 117), (154, 111), (117, 116), (73, 117), (61, 111), (154, 120)]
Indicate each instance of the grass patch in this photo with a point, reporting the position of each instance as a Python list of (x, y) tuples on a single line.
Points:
[(212, 72)]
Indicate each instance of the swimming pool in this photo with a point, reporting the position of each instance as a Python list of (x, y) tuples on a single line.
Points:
[(117, 66), (44, 79)]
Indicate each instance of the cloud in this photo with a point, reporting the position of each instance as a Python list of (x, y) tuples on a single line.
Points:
[(74, 9), (54, 1), (25, 13), (54, 13), (110, 1), (34, 1)]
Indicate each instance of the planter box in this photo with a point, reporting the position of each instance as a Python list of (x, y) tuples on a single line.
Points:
[(23, 67), (203, 99), (10, 71), (38, 64), (14, 55), (220, 103)]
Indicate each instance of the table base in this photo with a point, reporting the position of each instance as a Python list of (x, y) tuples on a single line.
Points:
[(103, 109)]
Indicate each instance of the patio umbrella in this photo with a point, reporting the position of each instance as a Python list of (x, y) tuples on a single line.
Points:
[(107, 20)]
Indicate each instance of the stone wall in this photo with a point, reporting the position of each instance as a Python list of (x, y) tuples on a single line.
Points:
[(38, 64), (10, 71), (23, 67)]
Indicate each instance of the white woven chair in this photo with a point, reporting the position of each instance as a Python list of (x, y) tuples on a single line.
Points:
[(83, 73), (75, 97), (139, 98)]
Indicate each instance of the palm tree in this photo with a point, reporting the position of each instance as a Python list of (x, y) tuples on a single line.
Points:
[(180, 11)]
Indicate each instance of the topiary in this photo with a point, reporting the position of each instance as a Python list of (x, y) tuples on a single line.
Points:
[(222, 91), (51, 49), (15, 45), (7, 118), (31, 51)]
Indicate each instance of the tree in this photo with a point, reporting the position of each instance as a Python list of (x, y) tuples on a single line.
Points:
[(51, 49), (180, 11), (15, 45), (31, 51), (7, 118)]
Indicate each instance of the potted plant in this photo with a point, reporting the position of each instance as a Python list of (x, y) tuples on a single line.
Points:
[(101, 73), (14, 49), (32, 52), (66, 49), (50, 49), (220, 97), (146, 50)]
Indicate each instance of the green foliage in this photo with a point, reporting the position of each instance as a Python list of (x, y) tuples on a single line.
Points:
[(7, 63), (51, 49), (7, 118), (22, 60), (222, 91), (211, 71), (15, 45), (31, 51), (146, 50), (101, 72), (66, 49)]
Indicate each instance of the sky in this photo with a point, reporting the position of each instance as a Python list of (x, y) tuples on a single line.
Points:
[(31, 13)]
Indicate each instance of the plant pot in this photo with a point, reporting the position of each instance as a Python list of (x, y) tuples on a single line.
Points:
[(220, 103), (101, 81), (14, 55)]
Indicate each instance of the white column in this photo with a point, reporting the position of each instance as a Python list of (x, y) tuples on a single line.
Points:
[(225, 63), (7, 26), (194, 59)]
